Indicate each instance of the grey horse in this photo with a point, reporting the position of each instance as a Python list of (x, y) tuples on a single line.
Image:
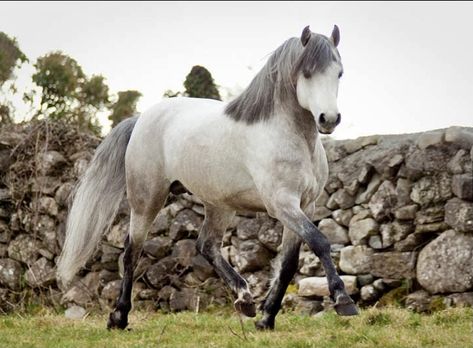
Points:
[(260, 152)]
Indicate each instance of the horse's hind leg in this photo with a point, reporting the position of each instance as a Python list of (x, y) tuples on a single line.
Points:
[(139, 226), (209, 244), (142, 216), (284, 271)]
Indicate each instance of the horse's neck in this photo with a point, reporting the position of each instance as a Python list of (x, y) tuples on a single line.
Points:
[(306, 124), (302, 124)]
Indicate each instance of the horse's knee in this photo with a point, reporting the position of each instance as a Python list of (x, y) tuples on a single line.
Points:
[(293, 218)]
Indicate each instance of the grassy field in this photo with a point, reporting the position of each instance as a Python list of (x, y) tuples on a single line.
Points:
[(387, 327)]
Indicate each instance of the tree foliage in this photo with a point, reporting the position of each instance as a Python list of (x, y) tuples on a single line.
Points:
[(169, 93), (94, 92), (93, 96), (67, 93), (125, 106), (59, 76), (199, 83), (5, 117), (11, 57)]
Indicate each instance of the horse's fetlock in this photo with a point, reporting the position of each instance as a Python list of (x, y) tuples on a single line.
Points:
[(266, 323), (124, 307), (336, 287)]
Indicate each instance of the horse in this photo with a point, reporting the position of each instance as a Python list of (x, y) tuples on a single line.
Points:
[(260, 152)]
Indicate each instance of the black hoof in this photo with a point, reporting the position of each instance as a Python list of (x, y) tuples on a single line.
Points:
[(345, 306), (264, 325), (246, 306), (117, 321)]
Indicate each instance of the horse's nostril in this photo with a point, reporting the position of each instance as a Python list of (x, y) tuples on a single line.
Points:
[(322, 119), (339, 118)]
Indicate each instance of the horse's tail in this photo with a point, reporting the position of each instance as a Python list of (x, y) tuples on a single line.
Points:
[(96, 201)]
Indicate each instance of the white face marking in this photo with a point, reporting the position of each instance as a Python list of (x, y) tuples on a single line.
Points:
[(318, 94)]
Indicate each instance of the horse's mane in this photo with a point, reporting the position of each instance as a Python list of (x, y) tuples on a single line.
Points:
[(275, 83)]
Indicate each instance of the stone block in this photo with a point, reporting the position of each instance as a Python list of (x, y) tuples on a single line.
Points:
[(318, 286), (394, 265)]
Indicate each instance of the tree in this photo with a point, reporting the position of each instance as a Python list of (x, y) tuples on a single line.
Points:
[(199, 83), (5, 117), (11, 57), (171, 94), (67, 93), (93, 96), (94, 92), (124, 107), (59, 76)]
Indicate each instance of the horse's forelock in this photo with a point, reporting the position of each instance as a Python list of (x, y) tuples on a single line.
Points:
[(318, 54)]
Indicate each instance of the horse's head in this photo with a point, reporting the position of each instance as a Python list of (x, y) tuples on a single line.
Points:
[(317, 74)]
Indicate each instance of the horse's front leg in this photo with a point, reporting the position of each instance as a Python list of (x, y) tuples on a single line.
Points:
[(286, 267), (286, 208), (209, 243)]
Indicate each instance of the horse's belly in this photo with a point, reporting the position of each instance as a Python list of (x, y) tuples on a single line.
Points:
[(233, 189), (245, 201)]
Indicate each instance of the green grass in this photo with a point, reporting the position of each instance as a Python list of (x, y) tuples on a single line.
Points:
[(386, 327)]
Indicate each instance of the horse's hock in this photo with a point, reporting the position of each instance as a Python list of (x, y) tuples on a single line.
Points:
[(397, 209)]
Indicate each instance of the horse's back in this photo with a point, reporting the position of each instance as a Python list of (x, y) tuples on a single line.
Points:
[(167, 124)]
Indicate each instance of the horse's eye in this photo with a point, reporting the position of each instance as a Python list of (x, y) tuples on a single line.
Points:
[(307, 74)]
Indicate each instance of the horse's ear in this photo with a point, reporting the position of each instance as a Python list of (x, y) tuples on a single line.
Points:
[(335, 37), (305, 36)]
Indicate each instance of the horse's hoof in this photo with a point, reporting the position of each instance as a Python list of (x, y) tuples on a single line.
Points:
[(345, 306), (117, 321), (263, 325), (246, 306)]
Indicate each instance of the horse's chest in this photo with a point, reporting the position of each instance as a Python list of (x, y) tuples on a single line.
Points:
[(317, 177)]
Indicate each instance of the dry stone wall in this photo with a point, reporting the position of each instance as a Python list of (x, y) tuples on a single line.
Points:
[(397, 210)]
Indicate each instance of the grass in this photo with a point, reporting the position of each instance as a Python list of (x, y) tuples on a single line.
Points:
[(386, 327)]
